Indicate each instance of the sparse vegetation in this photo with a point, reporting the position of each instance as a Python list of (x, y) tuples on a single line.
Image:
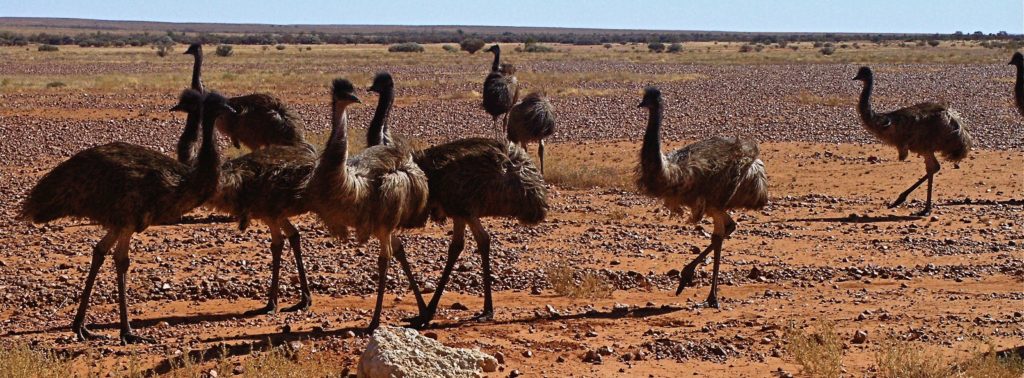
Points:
[(903, 359), (933, 43), (471, 45), (590, 286), (535, 47), (406, 47), (19, 360), (675, 47), (225, 50), (46, 47), (819, 353), (56, 84), (656, 47), (280, 47), (450, 48), (827, 50), (164, 46)]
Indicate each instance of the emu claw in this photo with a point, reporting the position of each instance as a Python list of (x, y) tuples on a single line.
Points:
[(484, 316), (84, 334), (924, 212), (303, 305), (712, 301), (685, 278), (131, 338)]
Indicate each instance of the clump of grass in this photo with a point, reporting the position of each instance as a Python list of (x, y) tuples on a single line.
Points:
[(992, 364), (225, 50), (56, 84), (19, 360), (570, 174), (590, 286), (284, 362), (406, 47), (45, 47), (899, 359), (820, 354)]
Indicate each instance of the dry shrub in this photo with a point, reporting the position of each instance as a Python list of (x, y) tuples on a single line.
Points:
[(820, 353), (19, 360), (569, 173), (993, 365), (901, 359), (591, 285), (284, 362)]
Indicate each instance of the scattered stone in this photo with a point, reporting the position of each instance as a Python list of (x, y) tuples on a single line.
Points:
[(459, 307), (592, 357), (500, 357), (527, 353), (605, 350), (403, 352), (514, 374), (859, 337)]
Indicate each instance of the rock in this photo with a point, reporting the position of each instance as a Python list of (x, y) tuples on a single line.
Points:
[(591, 357), (860, 337), (459, 307), (500, 357), (514, 374), (348, 334), (212, 373), (527, 353), (591, 334), (605, 350), (295, 345), (403, 352), (238, 370)]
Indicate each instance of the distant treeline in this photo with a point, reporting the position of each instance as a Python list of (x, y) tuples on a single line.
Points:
[(105, 39)]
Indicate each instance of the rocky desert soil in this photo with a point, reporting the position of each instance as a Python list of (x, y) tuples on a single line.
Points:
[(826, 249)]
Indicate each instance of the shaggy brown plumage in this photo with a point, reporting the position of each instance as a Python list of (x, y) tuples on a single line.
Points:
[(1018, 84), (261, 119), (471, 179), (377, 192), (500, 89), (925, 129), (126, 188), (532, 120), (270, 185), (709, 177)]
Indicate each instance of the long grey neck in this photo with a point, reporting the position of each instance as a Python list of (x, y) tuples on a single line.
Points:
[(650, 153), (497, 60), (864, 106), (1018, 88), (188, 138), (378, 131), (335, 152), (197, 67)]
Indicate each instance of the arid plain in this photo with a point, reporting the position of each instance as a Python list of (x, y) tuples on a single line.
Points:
[(825, 253)]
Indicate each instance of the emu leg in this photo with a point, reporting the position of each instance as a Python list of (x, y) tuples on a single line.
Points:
[(932, 165), (540, 153), (483, 242), (396, 245), (724, 226), (296, 243), (122, 261), (99, 253), (455, 248), (690, 270), (382, 279), (903, 196), (276, 248)]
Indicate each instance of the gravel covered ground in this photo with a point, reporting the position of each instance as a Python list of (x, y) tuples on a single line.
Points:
[(826, 248)]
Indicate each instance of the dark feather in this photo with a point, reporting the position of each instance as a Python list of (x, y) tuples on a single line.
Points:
[(531, 120)]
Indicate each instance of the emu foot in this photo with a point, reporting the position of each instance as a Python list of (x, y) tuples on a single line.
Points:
[(84, 334), (129, 337), (419, 321), (712, 301), (303, 305), (686, 278), (269, 309), (484, 316), (924, 212)]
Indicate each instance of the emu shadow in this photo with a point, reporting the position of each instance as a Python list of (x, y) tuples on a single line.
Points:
[(860, 219), (965, 201), (592, 314), (145, 323)]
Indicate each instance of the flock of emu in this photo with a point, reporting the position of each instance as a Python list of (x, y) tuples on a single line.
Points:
[(389, 186)]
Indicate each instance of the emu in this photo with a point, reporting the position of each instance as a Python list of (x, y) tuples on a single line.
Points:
[(500, 89), (470, 179), (125, 188), (709, 177), (260, 119), (378, 192), (925, 129), (532, 120), (1018, 85)]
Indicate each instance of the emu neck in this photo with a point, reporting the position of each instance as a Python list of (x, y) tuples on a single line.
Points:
[(335, 155), (650, 152), (1018, 88), (377, 133), (188, 138), (207, 169), (497, 61), (197, 68), (864, 106)]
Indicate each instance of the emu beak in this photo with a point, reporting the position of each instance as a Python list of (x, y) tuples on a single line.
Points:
[(230, 109)]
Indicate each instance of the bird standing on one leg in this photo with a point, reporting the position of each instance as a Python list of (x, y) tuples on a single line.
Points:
[(709, 177), (925, 129), (501, 90)]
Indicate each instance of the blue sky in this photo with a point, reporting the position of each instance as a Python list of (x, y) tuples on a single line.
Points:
[(910, 16)]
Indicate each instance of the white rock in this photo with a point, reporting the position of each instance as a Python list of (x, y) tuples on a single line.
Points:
[(403, 352)]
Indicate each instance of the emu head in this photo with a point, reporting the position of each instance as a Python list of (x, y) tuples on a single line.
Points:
[(194, 49), (1017, 60), (863, 74), (190, 101), (652, 98), (343, 94), (493, 49), (381, 83)]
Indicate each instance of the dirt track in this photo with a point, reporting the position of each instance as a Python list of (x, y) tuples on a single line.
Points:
[(826, 248)]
